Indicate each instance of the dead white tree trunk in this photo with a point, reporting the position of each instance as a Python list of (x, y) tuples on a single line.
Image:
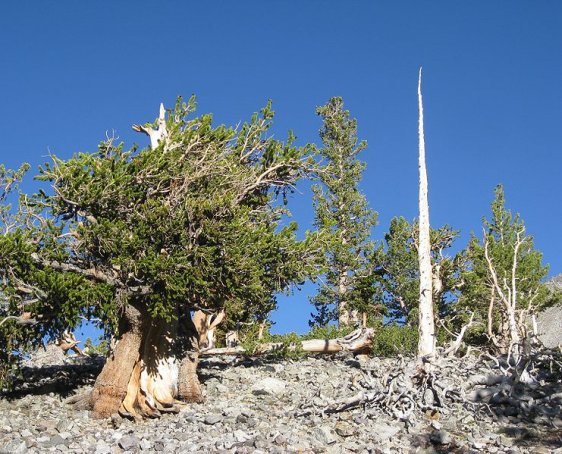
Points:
[(155, 135), (232, 339), (426, 344), (23, 319), (67, 342), (507, 292)]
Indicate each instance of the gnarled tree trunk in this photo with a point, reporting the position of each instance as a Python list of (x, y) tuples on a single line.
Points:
[(153, 364), (111, 385)]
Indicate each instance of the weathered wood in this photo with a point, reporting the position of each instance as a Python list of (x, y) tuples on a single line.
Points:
[(155, 135), (358, 341), (426, 345)]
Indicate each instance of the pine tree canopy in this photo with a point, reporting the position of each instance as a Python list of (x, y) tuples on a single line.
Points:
[(194, 223)]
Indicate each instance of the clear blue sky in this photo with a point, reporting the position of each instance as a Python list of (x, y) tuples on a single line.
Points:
[(492, 89)]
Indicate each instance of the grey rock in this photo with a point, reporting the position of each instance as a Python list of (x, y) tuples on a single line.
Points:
[(384, 431), (260, 442), (344, 429), (213, 419), (16, 446), (102, 448), (241, 436), (129, 442), (280, 439), (440, 437), (48, 356), (56, 440), (324, 435), (159, 446), (428, 397), (269, 386), (64, 425), (145, 445)]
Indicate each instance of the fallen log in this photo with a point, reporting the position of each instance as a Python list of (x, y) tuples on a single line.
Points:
[(358, 341)]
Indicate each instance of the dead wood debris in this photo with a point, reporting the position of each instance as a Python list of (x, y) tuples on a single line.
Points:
[(530, 390)]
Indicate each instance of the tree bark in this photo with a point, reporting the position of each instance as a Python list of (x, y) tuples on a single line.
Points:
[(343, 312), (147, 371), (189, 388), (112, 383), (426, 345)]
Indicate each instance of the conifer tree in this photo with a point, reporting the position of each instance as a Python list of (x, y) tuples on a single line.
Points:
[(503, 284), (342, 212), (142, 238), (398, 270)]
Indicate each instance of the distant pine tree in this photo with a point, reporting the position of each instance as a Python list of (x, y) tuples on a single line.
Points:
[(342, 212)]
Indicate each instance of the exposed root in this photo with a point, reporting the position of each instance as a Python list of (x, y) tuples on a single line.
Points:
[(405, 392)]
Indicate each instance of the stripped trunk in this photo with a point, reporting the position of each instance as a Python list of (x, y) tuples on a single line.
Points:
[(426, 345), (346, 316), (359, 341)]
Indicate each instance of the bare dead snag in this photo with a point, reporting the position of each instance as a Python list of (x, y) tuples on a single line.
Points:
[(507, 293), (155, 135), (426, 345), (232, 339), (23, 319), (68, 342), (456, 344)]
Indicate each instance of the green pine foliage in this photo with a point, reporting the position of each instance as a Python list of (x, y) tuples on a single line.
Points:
[(343, 214), (194, 223), (100, 349), (398, 272)]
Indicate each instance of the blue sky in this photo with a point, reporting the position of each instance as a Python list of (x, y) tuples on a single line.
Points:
[(492, 90)]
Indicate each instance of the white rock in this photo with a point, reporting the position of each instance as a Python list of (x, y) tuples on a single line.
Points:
[(269, 386)]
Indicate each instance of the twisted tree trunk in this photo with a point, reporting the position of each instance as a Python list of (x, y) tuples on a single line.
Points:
[(149, 368), (112, 383)]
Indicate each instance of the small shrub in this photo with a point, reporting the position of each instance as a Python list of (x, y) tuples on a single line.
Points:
[(394, 339), (328, 332)]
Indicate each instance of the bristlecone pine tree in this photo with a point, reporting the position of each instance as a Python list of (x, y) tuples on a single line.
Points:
[(342, 212), (140, 239), (503, 284)]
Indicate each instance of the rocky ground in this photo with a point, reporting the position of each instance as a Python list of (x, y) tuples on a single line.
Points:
[(278, 406)]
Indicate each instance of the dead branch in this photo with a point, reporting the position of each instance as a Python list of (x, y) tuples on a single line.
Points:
[(23, 319), (456, 344), (358, 341), (155, 135)]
